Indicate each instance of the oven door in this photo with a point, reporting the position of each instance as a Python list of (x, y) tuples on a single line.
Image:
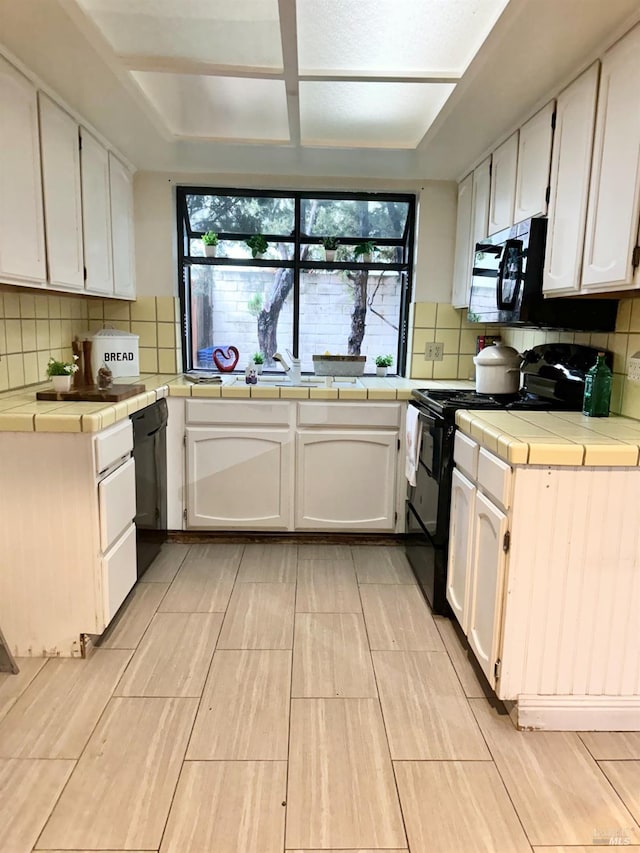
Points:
[(428, 563), (429, 498)]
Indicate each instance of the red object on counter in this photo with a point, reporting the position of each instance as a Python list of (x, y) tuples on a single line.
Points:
[(225, 358)]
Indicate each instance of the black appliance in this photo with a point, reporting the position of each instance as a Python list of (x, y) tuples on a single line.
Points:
[(150, 455), (552, 379), (506, 285)]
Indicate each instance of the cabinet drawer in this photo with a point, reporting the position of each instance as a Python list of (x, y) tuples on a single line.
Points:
[(243, 412), (112, 444), (117, 498), (494, 477), (349, 414), (465, 454), (118, 573)]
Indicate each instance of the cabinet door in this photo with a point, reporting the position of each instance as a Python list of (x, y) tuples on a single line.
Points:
[(346, 479), (481, 194), (504, 164), (486, 584), (22, 252), (121, 185), (460, 539), (239, 478), (62, 195), (569, 185), (534, 161), (614, 196), (96, 215), (119, 574), (462, 260)]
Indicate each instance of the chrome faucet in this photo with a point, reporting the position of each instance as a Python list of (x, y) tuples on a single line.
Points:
[(292, 370)]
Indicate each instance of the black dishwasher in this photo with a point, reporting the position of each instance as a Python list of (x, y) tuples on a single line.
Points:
[(150, 455)]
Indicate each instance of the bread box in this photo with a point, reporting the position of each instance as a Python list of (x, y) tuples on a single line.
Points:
[(116, 350)]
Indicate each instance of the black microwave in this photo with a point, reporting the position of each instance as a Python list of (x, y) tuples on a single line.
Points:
[(506, 285)]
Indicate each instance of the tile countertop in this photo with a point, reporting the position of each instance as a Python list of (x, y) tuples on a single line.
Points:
[(554, 438), (21, 412)]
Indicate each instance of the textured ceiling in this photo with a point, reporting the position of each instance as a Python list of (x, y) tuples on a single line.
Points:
[(330, 73)]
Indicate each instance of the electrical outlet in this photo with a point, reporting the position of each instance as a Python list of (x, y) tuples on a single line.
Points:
[(633, 369), (433, 351)]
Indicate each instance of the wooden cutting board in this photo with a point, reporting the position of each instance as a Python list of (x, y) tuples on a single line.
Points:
[(92, 394)]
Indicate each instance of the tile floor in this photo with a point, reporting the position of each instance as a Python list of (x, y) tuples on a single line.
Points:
[(271, 698)]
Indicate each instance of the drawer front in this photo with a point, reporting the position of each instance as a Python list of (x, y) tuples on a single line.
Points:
[(117, 498), (242, 412), (112, 444), (465, 454), (494, 477), (119, 572), (349, 414)]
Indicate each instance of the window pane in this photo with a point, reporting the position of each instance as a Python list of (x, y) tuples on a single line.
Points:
[(240, 214), (330, 304), (353, 218), (229, 304), (239, 249)]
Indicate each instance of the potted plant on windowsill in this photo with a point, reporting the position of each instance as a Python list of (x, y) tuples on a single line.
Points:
[(258, 245), (210, 242), (364, 250), (330, 245), (258, 359), (60, 373), (383, 363)]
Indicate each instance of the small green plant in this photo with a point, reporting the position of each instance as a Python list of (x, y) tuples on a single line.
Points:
[(61, 368), (254, 305), (257, 244), (210, 238), (365, 248), (257, 358), (330, 243), (384, 360)]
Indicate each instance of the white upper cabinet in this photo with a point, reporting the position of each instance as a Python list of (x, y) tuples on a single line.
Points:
[(570, 172), (534, 159), (121, 185), (473, 218), (504, 163), (62, 195), (614, 197), (462, 260), (96, 215), (480, 205), (22, 248)]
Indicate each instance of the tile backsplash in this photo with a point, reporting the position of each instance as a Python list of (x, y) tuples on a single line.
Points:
[(433, 321), (36, 325)]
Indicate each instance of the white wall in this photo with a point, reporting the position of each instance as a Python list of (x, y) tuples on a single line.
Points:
[(156, 240)]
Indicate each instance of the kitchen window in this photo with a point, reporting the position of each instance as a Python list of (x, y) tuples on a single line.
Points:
[(295, 296)]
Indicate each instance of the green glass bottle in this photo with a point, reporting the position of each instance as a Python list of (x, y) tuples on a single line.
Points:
[(597, 389)]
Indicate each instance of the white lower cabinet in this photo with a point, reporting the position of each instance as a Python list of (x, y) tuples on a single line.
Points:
[(346, 479), (239, 477), (119, 572), (67, 507), (477, 560), (542, 577), (279, 465), (486, 584), (463, 495)]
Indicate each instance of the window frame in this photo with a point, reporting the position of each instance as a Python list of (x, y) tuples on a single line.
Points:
[(185, 261)]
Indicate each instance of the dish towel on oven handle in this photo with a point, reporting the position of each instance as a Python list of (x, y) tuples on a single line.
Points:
[(412, 434)]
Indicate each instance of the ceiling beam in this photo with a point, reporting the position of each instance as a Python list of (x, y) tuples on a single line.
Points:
[(289, 37), (183, 65)]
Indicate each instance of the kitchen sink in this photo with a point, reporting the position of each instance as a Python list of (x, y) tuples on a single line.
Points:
[(305, 381)]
